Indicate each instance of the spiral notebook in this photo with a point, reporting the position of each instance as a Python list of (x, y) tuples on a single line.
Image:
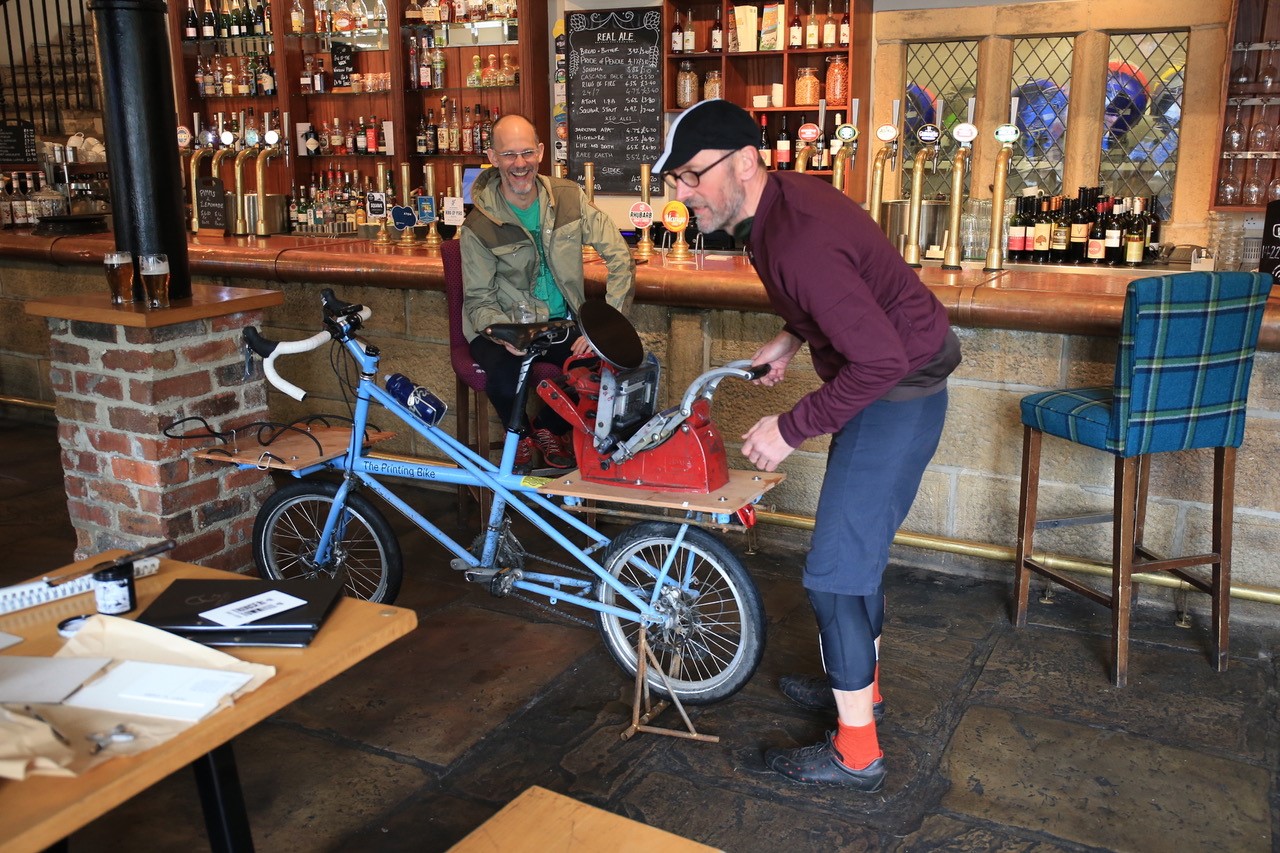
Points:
[(179, 608)]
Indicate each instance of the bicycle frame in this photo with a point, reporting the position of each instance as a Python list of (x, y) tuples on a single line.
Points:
[(510, 490)]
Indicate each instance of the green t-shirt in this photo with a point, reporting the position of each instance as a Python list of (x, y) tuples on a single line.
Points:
[(545, 287)]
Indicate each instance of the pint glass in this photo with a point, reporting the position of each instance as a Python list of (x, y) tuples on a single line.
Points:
[(119, 267), (155, 279)]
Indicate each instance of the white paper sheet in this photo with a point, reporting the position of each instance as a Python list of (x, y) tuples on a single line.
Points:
[(159, 690)]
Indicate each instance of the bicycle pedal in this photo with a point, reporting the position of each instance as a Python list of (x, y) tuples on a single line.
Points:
[(480, 575), (459, 565)]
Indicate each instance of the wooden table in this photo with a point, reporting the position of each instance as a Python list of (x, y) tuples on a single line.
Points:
[(42, 810)]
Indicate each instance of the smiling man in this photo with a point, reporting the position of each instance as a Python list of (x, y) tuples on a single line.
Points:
[(522, 263), (883, 347)]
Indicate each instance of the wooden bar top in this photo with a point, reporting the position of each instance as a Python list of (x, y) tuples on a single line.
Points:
[(206, 301), (1062, 299)]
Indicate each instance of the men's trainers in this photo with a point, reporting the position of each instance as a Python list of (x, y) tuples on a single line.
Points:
[(813, 693), (552, 454), (525, 451), (820, 764)]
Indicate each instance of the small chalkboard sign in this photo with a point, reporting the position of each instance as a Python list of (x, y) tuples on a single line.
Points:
[(211, 198), (344, 63), (615, 95), (17, 141), (1269, 260)]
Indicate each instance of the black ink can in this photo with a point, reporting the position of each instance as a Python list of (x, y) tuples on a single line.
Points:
[(113, 589)]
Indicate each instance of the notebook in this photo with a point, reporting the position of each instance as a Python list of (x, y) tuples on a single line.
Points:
[(179, 607)]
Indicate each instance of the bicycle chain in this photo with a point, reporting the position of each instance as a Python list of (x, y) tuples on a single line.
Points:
[(550, 608)]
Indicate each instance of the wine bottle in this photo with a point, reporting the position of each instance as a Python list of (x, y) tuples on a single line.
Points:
[(677, 32), (1060, 231), (1096, 249), (795, 30), (191, 23), (1016, 244), (1081, 223), (1135, 236), (1040, 232), (717, 34), (782, 147), (811, 29), (690, 40), (829, 28), (844, 26), (1115, 233), (765, 146), (209, 23)]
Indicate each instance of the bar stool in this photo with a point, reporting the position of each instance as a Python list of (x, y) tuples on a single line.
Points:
[(1181, 383)]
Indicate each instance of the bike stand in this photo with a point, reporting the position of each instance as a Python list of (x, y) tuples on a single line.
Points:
[(640, 721)]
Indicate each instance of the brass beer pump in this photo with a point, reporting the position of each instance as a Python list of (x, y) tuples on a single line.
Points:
[(1006, 135), (842, 165), (196, 157), (432, 240), (886, 157), (644, 246), (383, 238), (260, 174), (927, 153), (408, 237), (964, 134), (242, 221)]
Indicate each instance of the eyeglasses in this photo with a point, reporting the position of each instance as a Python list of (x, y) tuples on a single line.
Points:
[(512, 156), (691, 179)]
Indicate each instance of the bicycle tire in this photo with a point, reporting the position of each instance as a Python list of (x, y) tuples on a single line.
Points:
[(287, 528), (716, 640)]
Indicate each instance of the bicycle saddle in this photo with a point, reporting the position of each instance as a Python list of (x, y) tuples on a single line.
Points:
[(524, 335)]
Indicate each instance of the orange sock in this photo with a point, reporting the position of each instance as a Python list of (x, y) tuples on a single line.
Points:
[(858, 745), (875, 686)]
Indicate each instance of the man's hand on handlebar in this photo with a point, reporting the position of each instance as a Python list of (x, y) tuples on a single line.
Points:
[(777, 354)]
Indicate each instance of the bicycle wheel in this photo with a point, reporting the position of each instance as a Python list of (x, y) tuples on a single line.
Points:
[(713, 637), (287, 531)]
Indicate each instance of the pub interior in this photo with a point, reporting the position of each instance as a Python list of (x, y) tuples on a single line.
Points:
[(1028, 159)]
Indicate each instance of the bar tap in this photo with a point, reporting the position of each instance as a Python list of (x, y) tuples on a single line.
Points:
[(558, 170), (196, 157), (840, 168), (383, 238), (432, 240), (1006, 135), (963, 133), (408, 237), (802, 159), (218, 156), (242, 222), (885, 158), (260, 170), (928, 136), (644, 246), (847, 153)]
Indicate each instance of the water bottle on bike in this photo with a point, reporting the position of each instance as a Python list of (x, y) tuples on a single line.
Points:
[(427, 406)]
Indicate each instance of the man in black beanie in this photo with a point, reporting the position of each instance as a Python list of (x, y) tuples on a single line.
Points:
[(882, 345)]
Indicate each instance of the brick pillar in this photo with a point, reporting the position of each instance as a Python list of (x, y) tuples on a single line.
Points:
[(127, 485)]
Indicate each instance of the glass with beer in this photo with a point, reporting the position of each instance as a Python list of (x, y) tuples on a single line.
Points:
[(119, 276), (155, 279)]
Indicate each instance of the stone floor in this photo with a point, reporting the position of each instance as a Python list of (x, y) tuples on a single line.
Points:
[(997, 740)]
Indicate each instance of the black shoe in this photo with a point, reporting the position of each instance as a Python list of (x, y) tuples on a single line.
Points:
[(813, 693), (820, 764)]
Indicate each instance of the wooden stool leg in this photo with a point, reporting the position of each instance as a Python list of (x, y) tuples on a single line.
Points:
[(1028, 493), (1224, 487), (1122, 566), (1140, 518)]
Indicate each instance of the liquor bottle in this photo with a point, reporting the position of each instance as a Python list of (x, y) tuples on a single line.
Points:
[(677, 32), (690, 40), (198, 78), (829, 28), (820, 149), (304, 82), (18, 202), (242, 82), (337, 142), (267, 28), (782, 147), (413, 62), (844, 26), (1040, 232), (811, 28), (424, 66), (259, 20), (765, 146), (229, 79), (466, 140), (413, 12), (433, 134), (362, 137), (461, 11), (209, 23), (1135, 236), (382, 146), (319, 80), (717, 34), (321, 21), (266, 78), (833, 145), (486, 132), (252, 136), (437, 67), (455, 130), (191, 23), (420, 142), (371, 135), (237, 20), (1152, 252), (297, 18), (795, 31)]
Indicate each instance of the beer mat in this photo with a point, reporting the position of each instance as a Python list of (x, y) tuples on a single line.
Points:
[(179, 607)]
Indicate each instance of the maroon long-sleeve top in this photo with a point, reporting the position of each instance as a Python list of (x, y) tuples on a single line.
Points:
[(873, 329)]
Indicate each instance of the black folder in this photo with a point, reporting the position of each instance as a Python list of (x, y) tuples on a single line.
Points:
[(177, 609)]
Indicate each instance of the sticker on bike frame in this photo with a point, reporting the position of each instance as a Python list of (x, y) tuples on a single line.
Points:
[(535, 482)]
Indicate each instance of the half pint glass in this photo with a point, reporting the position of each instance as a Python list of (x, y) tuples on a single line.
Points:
[(155, 279), (119, 267)]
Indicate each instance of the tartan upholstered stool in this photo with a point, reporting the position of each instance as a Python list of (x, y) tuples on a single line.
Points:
[(1181, 383)]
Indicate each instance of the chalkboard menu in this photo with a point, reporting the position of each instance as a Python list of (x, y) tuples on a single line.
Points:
[(17, 141), (343, 64), (1269, 261), (211, 200), (615, 95)]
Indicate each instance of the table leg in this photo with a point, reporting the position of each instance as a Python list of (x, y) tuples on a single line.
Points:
[(225, 816)]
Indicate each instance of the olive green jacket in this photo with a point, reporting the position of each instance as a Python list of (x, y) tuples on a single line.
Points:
[(500, 258)]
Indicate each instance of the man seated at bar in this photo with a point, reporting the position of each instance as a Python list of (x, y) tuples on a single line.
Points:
[(522, 263), (883, 347)]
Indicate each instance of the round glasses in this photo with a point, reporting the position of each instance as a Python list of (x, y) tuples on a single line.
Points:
[(691, 179)]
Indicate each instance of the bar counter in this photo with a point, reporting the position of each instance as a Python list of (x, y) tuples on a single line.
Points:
[(1060, 299), (1022, 330)]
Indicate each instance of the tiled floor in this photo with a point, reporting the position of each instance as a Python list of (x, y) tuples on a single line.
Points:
[(996, 740)]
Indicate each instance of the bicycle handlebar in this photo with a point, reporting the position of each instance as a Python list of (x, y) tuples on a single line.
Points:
[(705, 385), (270, 350)]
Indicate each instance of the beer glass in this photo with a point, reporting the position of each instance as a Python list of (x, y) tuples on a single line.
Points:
[(119, 276), (155, 279)]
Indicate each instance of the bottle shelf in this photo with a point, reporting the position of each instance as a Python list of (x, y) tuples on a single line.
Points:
[(444, 90), (483, 33), (1251, 155), (344, 93)]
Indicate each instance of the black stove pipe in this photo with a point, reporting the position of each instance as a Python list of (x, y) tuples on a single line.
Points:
[(141, 134)]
